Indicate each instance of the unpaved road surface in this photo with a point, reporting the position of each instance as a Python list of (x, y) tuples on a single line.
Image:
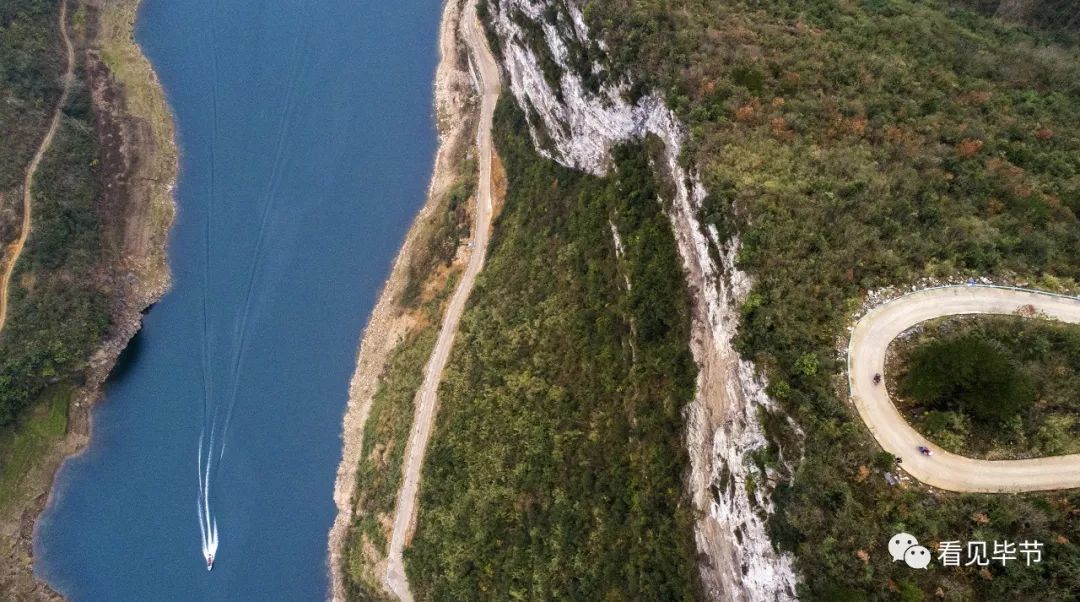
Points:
[(46, 142), (487, 72), (866, 356)]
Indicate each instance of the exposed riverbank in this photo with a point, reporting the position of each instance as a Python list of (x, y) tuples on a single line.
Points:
[(393, 322), (138, 161)]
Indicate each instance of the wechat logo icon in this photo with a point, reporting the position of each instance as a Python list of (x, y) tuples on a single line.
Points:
[(904, 546)]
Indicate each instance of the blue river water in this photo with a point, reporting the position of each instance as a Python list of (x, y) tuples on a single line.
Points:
[(307, 140)]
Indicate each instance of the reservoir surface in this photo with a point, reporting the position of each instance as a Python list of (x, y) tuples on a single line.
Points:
[(307, 138)]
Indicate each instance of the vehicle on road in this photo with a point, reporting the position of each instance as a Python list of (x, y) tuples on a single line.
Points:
[(925, 450), (868, 352), (877, 379)]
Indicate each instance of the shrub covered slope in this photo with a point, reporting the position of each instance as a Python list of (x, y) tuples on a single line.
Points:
[(57, 310), (556, 468)]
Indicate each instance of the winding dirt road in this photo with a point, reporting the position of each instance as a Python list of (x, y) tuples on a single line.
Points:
[(487, 73), (46, 142), (866, 356)]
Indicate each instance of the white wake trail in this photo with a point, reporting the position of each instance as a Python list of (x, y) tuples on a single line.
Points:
[(199, 498), (208, 530)]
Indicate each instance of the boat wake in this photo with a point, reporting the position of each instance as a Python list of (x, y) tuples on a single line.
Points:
[(214, 434), (208, 530)]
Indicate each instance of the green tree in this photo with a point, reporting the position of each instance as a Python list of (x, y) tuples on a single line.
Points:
[(968, 374)]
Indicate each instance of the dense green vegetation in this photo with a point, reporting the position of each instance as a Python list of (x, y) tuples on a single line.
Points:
[(58, 310), (854, 145), (31, 62), (993, 386), (556, 468), (969, 375), (23, 443)]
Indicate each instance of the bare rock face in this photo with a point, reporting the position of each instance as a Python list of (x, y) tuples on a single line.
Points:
[(582, 127), (578, 127)]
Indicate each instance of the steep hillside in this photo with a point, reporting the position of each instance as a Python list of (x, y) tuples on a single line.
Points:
[(647, 398), (579, 117), (832, 149), (558, 449), (852, 146)]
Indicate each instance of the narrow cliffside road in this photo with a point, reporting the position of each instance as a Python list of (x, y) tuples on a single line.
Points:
[(866, 357), (487, 74), (46, 142)]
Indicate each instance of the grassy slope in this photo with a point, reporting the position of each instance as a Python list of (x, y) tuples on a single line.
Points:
[(555, 469), (853, 145), (21, 445)]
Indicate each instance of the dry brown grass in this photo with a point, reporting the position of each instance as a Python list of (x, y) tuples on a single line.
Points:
[(145, 101)]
